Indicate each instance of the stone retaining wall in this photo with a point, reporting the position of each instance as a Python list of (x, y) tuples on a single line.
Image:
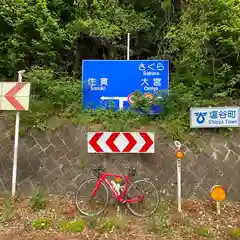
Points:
[(59, 161)]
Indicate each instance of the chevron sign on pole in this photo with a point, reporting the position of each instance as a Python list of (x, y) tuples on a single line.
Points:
[(120, 142), (14, 96)]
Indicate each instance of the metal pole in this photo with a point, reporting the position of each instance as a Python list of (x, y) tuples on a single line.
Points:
[(179, 194), (179, 181), (16, 139), (128, 46), (218, 208)]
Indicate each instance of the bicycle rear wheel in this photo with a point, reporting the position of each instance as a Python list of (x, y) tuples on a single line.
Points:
[(88, 205), (150, 203)]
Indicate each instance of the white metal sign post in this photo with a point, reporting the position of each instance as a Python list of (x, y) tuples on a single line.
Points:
[(179, 155), (179, 185), (16, 139), (14, 96), (128, 46)]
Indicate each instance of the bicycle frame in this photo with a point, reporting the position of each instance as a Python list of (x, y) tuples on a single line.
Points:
[(120, 197)]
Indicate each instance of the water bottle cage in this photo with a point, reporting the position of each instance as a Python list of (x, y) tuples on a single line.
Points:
[(116, 186)]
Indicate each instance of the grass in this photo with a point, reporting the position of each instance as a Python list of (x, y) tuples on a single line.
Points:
[(57, 102), (43, 116), (111, 224), (53, 203), (159, 223), (42, 111), (91, 222), (42, 223), (75, 226), (7, 209), (205, 232), (235, 233), (38, 199)]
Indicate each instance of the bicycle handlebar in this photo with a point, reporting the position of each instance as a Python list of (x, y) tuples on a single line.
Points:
[(99, 168), (96, 171), (132, 171)]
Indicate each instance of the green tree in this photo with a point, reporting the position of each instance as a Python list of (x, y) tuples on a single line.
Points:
[(50, 38), (205, 47)]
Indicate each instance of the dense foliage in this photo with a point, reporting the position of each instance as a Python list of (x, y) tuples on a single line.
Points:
[(49, 38)]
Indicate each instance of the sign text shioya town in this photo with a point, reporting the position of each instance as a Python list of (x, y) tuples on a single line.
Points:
[(214, 117)]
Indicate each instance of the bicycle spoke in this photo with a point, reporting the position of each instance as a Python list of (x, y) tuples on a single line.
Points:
[(151, 198), (86, 203)]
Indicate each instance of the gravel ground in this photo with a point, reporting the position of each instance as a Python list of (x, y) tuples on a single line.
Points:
[(197, 221)]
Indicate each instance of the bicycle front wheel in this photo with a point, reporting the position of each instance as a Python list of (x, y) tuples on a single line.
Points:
[(150, 203), (88, 205)]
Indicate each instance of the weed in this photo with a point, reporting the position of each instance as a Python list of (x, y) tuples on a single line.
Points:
[(72, 226), (38, 199), (7, 209), (41, 223), (91, 222), (204, 232), (110, 224), (54, 205), (235, 233), (160, 222), (83, 164)]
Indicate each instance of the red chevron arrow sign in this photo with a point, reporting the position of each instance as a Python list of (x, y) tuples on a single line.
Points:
[(120, 142), (14, 96)]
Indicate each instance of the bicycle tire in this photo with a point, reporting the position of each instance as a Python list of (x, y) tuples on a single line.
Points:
[(129, 205), (79, 190)]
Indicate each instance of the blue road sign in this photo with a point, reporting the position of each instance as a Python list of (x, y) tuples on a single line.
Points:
[(214, 117), (116, 80)]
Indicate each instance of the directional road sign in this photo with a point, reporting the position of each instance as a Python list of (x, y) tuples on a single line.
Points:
[(116, 80), (14, 96)]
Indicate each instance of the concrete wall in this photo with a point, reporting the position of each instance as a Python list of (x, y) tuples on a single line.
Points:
[(59, 161)]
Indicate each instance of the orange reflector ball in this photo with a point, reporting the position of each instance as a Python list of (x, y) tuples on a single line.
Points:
[(179, 154), (218, 193), (118, 179)]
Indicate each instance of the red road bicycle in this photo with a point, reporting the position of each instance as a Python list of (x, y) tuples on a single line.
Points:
[(94, 193)]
